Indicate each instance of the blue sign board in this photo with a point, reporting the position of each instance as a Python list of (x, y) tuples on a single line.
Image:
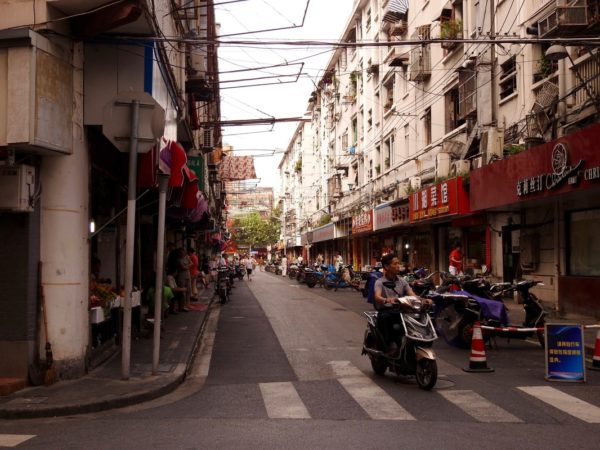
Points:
[(565, 352)]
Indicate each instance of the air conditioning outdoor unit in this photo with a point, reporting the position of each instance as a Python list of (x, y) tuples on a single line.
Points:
[(442, 165), (17, 188), (401, 189), (461, 167), (415, 183), (492, 144), (477, 162)]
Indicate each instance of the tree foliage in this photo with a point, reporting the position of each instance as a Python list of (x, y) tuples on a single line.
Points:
[(255, 231)]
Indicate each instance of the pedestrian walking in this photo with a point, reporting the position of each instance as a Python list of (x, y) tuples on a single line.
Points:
[(250, 265)]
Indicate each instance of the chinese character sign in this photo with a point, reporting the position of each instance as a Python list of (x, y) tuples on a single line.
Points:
[(362, 222), (565, 353), (448, 197)]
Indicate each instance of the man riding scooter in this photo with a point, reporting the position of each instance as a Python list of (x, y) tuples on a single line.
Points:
[(386, 316)]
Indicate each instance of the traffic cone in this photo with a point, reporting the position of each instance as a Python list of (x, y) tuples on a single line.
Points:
[(477, 360), (596, 358)]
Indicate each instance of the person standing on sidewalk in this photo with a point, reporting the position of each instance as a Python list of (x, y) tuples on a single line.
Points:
[(456, 257), (194, 272), (183, 276)]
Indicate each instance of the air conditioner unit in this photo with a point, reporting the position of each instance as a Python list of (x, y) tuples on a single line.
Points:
[(442, 165), (492, 144), (17, 188), (477, 162), (415, 182), (401, 189), (461, 167)]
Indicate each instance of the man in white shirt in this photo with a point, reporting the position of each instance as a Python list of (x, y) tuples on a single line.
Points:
[(250, 264)]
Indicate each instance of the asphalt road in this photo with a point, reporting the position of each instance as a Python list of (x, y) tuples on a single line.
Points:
[(281, 368)]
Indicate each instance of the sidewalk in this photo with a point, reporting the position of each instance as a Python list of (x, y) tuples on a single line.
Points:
[(103, 388), (516, 315)]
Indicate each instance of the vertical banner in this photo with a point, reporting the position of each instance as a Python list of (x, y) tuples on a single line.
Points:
[(565, 355)]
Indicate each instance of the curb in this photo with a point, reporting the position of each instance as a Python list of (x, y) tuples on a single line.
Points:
[(172, 381)]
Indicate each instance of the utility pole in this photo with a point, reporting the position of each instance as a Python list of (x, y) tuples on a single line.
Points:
[(493, 89)]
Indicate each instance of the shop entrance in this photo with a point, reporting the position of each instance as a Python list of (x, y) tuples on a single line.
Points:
[(510, 255)]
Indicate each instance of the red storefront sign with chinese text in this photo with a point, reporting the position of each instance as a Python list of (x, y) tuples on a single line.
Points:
[(363, 222), (568, 164), (443, 199)]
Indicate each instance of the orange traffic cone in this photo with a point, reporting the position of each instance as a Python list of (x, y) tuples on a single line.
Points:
[(477, 360), (596, 358)]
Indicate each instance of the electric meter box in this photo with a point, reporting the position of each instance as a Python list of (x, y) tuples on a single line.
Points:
[(17, 188)]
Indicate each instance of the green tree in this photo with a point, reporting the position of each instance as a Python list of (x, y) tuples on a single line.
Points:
[(255, 231)]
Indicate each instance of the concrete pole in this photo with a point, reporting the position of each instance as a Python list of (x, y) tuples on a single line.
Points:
[(129, 239), (163, 181)]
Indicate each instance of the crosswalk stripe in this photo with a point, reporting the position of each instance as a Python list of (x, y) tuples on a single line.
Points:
[(282, 401), (374, 400), (12, 440), (564, 402), (478, 407)]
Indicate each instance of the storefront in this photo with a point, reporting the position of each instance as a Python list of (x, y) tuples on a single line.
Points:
[(390, 224), (554, 189), (322, 242), (362, 224), (432, 210)]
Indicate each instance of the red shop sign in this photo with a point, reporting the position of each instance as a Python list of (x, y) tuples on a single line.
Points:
[(568, 164), (363, 222), (442, 199)]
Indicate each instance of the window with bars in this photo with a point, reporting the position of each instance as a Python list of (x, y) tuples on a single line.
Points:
[(508, 77)]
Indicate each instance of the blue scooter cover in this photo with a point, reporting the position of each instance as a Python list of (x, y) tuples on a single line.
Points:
[(373, 277)]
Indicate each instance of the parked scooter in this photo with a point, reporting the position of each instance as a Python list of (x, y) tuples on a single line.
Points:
[(222, 288), (240, 272), (456, 312), (343, 278), (415, 356), (316, 276)]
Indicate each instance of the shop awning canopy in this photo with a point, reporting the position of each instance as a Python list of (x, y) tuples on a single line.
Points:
[(396, 10)]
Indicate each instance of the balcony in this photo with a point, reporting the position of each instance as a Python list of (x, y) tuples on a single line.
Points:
[(564, 18), (588, 70)]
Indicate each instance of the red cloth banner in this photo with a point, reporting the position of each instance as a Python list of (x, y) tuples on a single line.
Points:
[(237, 168)]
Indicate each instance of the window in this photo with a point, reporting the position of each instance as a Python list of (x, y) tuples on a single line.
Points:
[(452, 110), (404, 79), (508, 77), (361, 124), (354, 131), (388, 88), (406, 140), (368, 19), (427, 126), (370, 169), (369, 118), (584, 245), (388, 152), (345, 141)]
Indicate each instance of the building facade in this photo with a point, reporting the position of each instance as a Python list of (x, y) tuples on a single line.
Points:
[(62, 64), (413, 119)]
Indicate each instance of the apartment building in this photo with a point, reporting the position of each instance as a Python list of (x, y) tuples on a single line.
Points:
[(413, 133), (63, 66)]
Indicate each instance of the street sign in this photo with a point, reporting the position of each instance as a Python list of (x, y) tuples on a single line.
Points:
[(116, 121), (564, 352)]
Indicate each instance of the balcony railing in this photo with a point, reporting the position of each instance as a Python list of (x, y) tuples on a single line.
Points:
[(588, 70)]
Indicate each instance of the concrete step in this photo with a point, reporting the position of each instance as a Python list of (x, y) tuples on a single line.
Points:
[(10, 385)]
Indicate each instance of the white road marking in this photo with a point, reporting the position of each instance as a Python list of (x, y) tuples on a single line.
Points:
[(374, 400), (12, 440), (564, 402), (282, 401), (478, 407)]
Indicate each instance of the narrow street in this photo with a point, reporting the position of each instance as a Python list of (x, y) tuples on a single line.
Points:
[(286, 372)]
